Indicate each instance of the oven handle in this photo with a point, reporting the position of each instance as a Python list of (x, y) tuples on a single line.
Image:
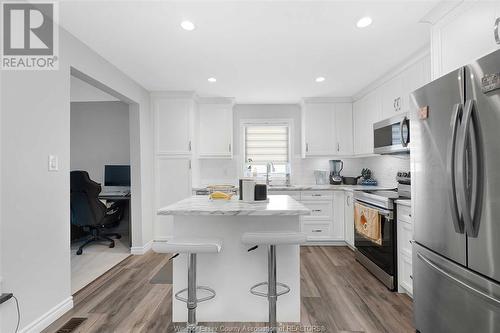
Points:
[(384, 212)]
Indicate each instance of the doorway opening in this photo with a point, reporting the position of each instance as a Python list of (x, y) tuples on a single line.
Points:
[(102, 152)]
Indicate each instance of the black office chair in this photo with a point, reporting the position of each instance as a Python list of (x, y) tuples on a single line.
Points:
[(89, 213)]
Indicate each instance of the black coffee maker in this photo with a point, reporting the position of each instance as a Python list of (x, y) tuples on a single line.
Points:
[(335, 167)]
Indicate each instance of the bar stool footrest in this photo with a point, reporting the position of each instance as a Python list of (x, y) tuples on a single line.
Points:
[(285, 290), (198, 300)]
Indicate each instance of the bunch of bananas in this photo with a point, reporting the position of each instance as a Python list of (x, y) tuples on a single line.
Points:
[(220, 196)]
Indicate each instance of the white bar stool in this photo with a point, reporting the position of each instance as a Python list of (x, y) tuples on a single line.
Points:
[(271, 240), (191, 246)]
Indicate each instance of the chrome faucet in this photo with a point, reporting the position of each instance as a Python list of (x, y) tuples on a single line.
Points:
[(269, 167)]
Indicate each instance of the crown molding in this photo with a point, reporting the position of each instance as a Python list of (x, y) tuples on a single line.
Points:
[(414, 58), (216, 100)]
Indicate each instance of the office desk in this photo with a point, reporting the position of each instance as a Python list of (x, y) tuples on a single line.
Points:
[(116, 197)]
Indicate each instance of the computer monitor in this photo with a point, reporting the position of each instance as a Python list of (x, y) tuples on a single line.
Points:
[(117, 175)]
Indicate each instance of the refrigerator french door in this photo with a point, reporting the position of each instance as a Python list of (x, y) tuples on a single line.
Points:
[(455, 157)]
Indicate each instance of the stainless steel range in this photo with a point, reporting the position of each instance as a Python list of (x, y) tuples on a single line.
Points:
[(379, 258)]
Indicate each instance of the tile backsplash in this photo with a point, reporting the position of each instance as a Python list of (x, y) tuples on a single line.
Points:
[(383, 167)]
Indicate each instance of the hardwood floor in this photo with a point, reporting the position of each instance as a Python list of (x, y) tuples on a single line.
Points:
[(338, 295)]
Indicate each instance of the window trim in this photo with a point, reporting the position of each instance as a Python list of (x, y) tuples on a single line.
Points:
[(270, 122)]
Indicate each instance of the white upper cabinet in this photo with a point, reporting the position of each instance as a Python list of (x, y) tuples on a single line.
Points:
[(344, 129), (367, 111), (173, 124), (326, 128), (215, 131), (319, 129), (395, 93), (463, 35), (392, 94)]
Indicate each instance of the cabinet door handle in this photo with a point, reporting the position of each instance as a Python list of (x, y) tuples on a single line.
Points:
[(307, 147), (496, 32), (316, 195), (229, 147), (317, 210), (338, 146), (317, 230), (348, 200), (189, 145)]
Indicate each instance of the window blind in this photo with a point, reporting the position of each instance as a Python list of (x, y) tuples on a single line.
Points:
[(265, 144)]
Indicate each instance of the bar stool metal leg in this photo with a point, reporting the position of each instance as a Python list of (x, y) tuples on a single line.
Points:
[(272, 295), (191, 303)]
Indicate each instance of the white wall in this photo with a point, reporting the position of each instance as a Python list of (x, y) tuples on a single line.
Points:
[(99, 136), (35, 215)]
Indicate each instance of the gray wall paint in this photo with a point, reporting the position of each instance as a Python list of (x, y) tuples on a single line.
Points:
[(99, 136), (35, 214)]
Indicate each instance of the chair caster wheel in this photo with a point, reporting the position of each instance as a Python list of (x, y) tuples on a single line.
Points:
[(79, 252), (118, 236), (112, 245)]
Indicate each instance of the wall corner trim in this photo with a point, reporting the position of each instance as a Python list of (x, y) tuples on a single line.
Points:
[(49, 317)]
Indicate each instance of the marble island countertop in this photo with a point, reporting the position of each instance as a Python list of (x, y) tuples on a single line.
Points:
[(278, 205)]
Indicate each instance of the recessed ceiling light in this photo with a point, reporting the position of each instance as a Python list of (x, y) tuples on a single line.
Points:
[(188, 25), (212, 79), (320, 79), (364, 22)]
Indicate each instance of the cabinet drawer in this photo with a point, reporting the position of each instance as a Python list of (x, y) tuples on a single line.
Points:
[(316, 230), (316, 195), (405, 235), (319, 208), (406, 275)]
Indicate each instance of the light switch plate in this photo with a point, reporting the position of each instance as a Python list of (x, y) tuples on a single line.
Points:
[(53, 163)]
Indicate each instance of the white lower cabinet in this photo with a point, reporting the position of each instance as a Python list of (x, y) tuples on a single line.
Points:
[(405, 237), (332, 215), (338, 216), (349, 218)]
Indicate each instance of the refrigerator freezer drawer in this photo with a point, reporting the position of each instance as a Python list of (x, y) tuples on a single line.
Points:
[(451, 298)]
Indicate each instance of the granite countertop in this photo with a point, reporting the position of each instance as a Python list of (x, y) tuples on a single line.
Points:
[(404, 202), (201, 205)]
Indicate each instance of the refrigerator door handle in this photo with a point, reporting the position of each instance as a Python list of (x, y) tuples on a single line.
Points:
[(451, 168), (464, 285), (470, 137)]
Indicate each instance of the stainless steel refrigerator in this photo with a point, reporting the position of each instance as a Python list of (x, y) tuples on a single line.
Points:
[(455, 165)]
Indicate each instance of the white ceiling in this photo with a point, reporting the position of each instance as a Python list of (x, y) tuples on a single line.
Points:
[(259, 51)]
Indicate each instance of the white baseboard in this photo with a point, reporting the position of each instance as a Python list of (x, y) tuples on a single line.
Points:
[(49, 317), (139, 250)]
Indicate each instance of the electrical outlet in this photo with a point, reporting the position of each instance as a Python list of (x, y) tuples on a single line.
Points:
[(53, 163)]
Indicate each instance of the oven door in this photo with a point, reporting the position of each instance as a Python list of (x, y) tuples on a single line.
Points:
[(392, 135), (381, 255)]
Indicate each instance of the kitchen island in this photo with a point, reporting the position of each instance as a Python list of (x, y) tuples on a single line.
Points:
[(234, 270)]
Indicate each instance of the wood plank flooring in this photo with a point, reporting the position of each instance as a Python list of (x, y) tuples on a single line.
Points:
[(338, 295)]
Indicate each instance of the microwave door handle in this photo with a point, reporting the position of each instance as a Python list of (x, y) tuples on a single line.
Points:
[(496, 28), (470, 138), (402, 124), (451, 169)]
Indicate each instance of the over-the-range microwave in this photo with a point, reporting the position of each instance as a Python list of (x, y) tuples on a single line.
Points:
[(392, 136)]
